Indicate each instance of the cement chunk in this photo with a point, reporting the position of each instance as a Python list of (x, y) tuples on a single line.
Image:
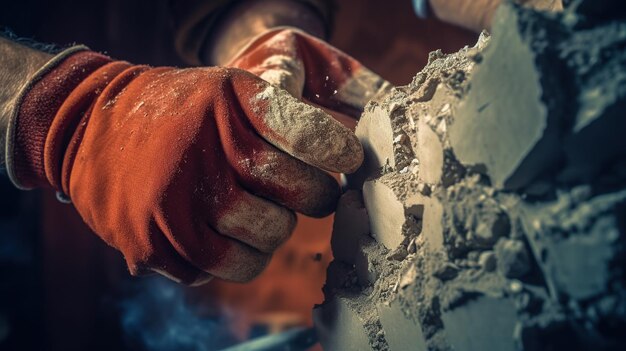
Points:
[(485, 323), (597, 136), (351, 223), (506, 125), (364, 262), (431, 214), (339, 327), (429, 153), (487, 261), (387, 213), (580, 265), (512, 257), (376, 135), (401, 332), (576, 265)]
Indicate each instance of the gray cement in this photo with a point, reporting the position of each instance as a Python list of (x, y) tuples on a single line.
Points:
[(492, 214)]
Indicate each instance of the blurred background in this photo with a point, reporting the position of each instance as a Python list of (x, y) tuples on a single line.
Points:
[(62, 288)]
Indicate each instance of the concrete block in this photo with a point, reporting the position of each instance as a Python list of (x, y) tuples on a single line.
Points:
[(430, 211), (391, 209), (387, 212), (339, 326), (375, 132), (365, 263), (429, 153), (350, 225), (578, 264), (401, 332), (597, 137), (507, 125), (480, 324)]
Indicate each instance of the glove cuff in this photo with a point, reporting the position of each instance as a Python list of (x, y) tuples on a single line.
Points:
[(35, 110)]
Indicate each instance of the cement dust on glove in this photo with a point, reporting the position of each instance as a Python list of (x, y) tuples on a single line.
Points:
[(185, 181), (311, 69)]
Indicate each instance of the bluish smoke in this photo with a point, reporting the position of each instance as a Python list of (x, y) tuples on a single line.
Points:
[(157, 317)]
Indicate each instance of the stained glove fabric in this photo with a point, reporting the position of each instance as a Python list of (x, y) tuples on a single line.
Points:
[(311, 69), (191, 173)]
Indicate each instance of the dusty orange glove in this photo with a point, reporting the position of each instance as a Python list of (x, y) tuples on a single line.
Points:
[(191, 173), (309, 68)]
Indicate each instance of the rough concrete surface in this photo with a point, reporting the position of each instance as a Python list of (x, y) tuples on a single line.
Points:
[(493, 205)]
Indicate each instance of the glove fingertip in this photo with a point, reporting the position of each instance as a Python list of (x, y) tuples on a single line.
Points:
[(306, 132), (351, 156)]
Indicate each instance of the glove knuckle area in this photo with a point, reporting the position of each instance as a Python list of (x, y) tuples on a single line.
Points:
[(254, 221), (241, 263), (153, 253), (188, 250), (219, 255), (270, 173)]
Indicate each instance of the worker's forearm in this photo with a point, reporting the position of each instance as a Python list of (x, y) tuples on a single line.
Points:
[(250, 18), (18, 63)]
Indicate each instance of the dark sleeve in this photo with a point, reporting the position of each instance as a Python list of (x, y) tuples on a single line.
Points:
[(194, 19)]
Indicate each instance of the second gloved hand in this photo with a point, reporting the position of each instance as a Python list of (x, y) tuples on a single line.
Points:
[(311, 69), (191, 173)]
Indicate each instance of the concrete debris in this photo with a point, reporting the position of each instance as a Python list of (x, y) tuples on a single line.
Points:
[(493, 200), (390, 212), (575, 241), (446, 271), (508, 128), (429, 154), (476, 219), (401, 332), (386, 144), (408, 277), (595, 57), (512, 257), (483, 323), (430, 213), (367, 261), (350, 225), (487, 261), (340, 327)]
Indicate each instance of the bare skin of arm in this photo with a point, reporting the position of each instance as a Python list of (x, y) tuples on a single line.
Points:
[(251, 18), (19, 63), (476, 15)]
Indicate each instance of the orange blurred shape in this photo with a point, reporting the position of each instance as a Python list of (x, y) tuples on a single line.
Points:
[(285, 293)]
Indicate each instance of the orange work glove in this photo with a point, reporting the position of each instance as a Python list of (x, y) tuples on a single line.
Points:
[(311, 69), (191, 173)]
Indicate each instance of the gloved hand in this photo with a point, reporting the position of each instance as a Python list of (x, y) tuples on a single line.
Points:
[(311, 69), (191, 173)]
